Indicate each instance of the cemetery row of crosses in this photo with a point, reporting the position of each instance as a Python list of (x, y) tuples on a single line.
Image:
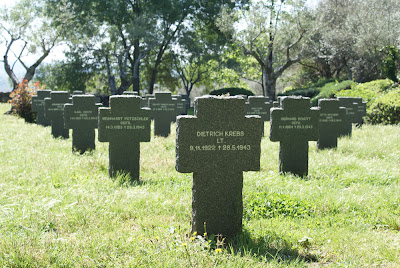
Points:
[(217, 144)]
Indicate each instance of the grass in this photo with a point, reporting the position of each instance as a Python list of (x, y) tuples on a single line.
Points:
[(61, 209)]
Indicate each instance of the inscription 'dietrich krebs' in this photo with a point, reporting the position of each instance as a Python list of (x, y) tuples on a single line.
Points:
[(125, 122), (83, 115), (219, 140), (296, 123)]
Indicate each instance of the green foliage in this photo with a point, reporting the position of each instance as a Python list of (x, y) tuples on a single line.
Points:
[(385, 109), (232, 91), (267, 205), (389, 64), (323, 88), (383, 100), (368, 91)]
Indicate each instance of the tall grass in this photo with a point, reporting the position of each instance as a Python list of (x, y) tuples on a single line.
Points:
[(58, 208)]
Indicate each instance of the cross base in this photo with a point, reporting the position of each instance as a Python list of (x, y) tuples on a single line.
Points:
[(293, 157), (58, 130), (83, 140), (217, 205), (124, 158)]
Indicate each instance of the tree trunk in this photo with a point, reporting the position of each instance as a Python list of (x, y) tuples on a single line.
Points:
[(136, 69), (269, 83)]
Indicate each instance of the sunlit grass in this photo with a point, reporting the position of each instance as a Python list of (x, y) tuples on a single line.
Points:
[(58, 208)]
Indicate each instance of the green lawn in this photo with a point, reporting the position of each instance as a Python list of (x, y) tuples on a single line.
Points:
[(61, 209)]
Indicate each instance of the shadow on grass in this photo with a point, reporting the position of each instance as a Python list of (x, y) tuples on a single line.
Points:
[(269, 247)]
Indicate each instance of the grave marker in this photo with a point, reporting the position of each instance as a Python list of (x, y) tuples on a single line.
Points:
[(38, 107), (217, 145), (163, 110), (259, 105), (82, 117), (360, 112), (293, 125), (351, 108), (180, 106), (54, 111), (331, 122), (124, 125)]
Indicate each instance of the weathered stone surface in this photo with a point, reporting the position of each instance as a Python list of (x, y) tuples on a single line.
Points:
[(331, 121), (54, 111), (351, 108), (276, 104), (82, 117), (145, 100), (163, 110), (217, 145), (124, 125), (38, 107), (294, 124)]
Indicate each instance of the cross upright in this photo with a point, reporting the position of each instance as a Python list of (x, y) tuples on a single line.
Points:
[(163, 110), (54, 110), (351, 109), (331, 122), (293, 125), (180, 105), (82, 117), (361, 111), (217, 145), (258, 105), (38, 107), (124, 125)]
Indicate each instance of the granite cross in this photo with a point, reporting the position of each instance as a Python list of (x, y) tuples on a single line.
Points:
[(258, 105), (163, 110), (217, 145), (54, 111), (82, 117), (331, 122), (293, 125), (38, 107), (351, 108), (124, 125)]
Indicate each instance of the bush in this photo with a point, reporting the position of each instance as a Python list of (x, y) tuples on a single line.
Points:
[(385, 109), (233, 91), (21, 100), (368, 91), (383, 98)]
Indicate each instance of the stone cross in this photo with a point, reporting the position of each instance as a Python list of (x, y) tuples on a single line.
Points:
[(180, 106), (38, 107), (82, 117), (54, 111), (360, 112), (293, 125), (163, 110), (331, 122), (217, 145), (351, 108), (258, 105), (124, 125)]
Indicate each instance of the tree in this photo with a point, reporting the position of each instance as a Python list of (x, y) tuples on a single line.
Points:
[(351, 38), (26, 30), (270, 32)]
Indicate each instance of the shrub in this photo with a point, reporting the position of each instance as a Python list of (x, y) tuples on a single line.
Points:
[(368, 91), (265, 205), (385, 109), (21, 99), (233, 91)]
